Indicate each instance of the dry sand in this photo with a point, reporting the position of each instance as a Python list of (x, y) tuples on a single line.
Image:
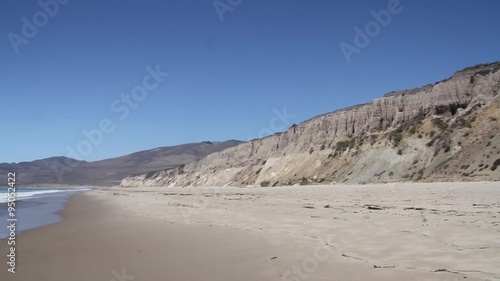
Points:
[(442, 231)]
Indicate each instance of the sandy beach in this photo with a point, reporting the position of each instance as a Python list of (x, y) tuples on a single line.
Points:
[(441, 231)]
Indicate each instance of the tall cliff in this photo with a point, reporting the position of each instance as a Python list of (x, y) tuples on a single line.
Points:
[(445, 131)]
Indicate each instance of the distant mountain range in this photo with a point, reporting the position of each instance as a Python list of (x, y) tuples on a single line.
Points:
[(67, 171)]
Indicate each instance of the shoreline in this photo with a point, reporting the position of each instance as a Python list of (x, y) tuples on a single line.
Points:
[(34, 210), (97, 242), (365, 232), (60, 186)]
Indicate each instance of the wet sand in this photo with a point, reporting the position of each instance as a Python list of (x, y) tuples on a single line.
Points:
[(96, 241)]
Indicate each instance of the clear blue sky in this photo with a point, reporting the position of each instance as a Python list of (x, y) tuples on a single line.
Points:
[(226, 77)]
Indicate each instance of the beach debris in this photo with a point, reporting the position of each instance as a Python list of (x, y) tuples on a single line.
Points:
[(122, 194), (446, 270), (352, 257), (326, 206), (374, 207), (273, 258), (415, 208), (481, 205), (308, 207), (177, 194), (383, 266)]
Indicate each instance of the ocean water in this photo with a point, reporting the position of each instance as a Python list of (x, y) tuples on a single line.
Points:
[(35, 207)]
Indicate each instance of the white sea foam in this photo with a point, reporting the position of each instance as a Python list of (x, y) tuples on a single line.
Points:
[(30, 194)]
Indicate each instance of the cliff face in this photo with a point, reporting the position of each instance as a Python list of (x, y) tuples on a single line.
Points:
[(445, 131)]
